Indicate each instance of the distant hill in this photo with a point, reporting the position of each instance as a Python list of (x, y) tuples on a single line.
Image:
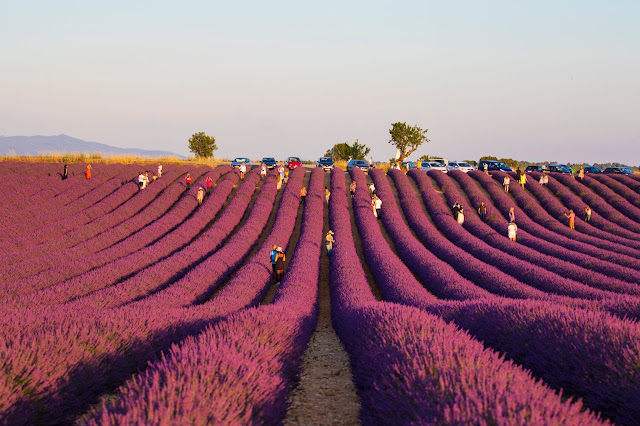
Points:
[(34, 145)]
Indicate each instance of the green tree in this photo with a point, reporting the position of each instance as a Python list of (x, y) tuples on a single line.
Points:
[(407, 139), (202, 145), (342, 151)]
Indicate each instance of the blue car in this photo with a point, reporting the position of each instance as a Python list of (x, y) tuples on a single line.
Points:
[(359, 164), (326, 163), (239, 160), (618, 170), (269, 162), (559, 168)]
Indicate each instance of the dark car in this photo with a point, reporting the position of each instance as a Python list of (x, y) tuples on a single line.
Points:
[(592, 169), (534, 169), (618, 170), (269, 162), (326, 163), (239, 160), (559, 168), (360, 164), (292, 163), (494, 165), (408, 165)]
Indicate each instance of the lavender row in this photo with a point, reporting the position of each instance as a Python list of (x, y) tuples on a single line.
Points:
[(561, 236), (627, 205), (45, 270), (599, 204), (261, 346), (598, 226), (412, 367), (73, 205), (116, 270), (627, 181), (534, 249), (632, 196)]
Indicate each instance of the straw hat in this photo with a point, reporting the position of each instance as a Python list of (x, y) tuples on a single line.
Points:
[(279, 249), (330, 232)]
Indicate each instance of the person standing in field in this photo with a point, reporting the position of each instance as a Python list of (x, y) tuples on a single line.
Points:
[(303, 194), (208, 183), (281, 171), (581, 173), (286, 175), (243, 170), (512, 229), (460, 216), (523, 179), (371, 162), (456, 209), (372, 188), (482, 211), (88, 173), (352, 188), (377, 206), (200, 196), (280, 259), (278, 182), (329, 242), (263, 172), (505, 182), (572, 219), (327, 194), (587, 214), (486, 168), (65, 172), (512, 215), (188, 181), (159, 170)]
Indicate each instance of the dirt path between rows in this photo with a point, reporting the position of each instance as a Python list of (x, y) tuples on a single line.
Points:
[(326, 394)]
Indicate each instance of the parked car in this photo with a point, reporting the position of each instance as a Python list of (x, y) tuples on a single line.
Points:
[(360, 164), (269, 162), (292, 163), (425, 166), (559, 168), (408, 165), (535, 169), (326, 163), (460, 165), (494, 166), (239, 160), (592, 169), (618, 170)]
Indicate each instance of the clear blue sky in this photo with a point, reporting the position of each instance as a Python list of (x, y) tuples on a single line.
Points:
[(544, 80)]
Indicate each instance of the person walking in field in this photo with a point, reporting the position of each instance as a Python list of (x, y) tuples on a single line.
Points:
[(372, 188), (208, 183), (263, 172), (572, 219), (200, 196), (327, 194), (456, 209), (512, 215), (88, 173), (482, 211), (329, 242), (505, 183), (376, 202), (523, 179), (587, 214), (188, 181), (159, 170), (352, 188), (243, 170), (512, 229), (280, 259), (65, 172), (460, 216), (272, 256), (303, 194)]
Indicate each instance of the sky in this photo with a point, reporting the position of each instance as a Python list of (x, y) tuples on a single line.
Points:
[(536, 81)]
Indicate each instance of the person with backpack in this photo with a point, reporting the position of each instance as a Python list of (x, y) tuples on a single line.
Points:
[(329, 242), (272, 256), (280, 259)]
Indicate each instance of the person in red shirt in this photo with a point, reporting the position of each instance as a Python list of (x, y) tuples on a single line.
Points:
[(88, 171), (188, 180), (209, 182)]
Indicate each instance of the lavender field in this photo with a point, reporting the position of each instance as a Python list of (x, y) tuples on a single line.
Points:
[(129, 306)]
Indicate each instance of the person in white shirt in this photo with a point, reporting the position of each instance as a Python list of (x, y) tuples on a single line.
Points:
[(243, 170), (512, 229), (506, 183), (159, 170)]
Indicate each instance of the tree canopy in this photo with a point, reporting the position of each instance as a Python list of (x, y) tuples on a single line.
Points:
[(342, 151), (202, 145), (407, 138)]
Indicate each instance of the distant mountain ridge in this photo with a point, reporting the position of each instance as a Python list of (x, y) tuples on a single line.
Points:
[(34, 145)]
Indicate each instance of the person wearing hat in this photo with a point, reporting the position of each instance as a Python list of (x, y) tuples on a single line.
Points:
[(200, 196), (329, 241), (272, 256), (280, 258)]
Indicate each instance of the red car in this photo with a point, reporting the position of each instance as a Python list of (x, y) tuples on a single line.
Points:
[(293, 162)]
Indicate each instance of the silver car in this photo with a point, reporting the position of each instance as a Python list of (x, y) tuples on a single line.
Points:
[(425, 166), (460, 165)]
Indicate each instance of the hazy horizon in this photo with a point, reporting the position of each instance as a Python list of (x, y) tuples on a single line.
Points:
[(545, 81)]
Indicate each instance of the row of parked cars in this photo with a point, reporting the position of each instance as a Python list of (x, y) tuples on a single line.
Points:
[(291, 163)]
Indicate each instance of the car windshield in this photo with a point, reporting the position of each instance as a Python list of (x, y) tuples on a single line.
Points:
[(241, 160), (453, 164), (325, 159), (359, 163), (626, 170), (293, 160), (268, 160), (435, 164), (464, 165)]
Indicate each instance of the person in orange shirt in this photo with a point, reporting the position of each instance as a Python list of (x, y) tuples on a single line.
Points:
[(303, 194), (88, 171), (572, 219)]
